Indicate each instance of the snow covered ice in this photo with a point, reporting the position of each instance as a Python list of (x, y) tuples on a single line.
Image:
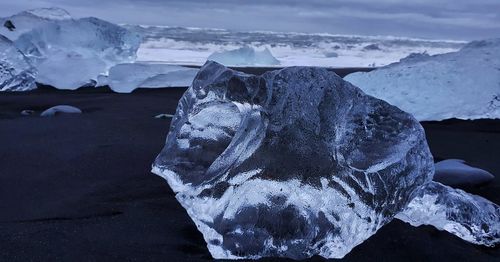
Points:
[(244, 56), (124, 78), (72, 53), (463, 84), (298, 162), (16, 72)]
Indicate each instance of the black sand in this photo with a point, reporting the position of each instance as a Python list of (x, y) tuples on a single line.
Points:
[(79, 187)]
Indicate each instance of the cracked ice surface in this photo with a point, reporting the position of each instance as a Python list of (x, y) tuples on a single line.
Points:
[(293, 163)]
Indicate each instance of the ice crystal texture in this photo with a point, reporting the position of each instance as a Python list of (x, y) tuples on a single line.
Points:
[(16, 73), (72, 53), (295, 163)]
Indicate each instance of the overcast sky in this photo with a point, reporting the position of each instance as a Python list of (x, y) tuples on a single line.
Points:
[(443, 19)]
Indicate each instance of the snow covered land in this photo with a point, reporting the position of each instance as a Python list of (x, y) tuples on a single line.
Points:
[(192, 46), (463, 84)]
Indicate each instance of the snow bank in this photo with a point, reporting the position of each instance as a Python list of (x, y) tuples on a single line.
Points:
[(124, 78), (16, 73), (244, 56), (72, 53), (463, 84)]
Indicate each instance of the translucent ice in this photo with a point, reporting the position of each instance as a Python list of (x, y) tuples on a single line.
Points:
[(244, 56), (16, 72), (16, 25), (463, 84), (124, 78), (467, 216), (298, 162), (72, 53)]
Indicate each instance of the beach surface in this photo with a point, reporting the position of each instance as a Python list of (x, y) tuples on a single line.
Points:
[(79, 188)]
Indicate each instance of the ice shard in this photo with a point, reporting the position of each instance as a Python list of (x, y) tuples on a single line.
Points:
[(16, 72), (125, 78), (293, 163), (467, 216)]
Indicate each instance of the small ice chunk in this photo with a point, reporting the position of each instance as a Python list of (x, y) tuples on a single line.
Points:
[(27, 112), (16, 72), (245, 56), (164, 116), (53, 111), (125, 78), (467, 216), (456, 173)]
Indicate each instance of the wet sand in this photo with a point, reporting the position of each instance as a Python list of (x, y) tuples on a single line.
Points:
[(79, 187)]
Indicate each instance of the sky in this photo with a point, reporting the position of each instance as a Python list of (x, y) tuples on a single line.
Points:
[(435, 19)]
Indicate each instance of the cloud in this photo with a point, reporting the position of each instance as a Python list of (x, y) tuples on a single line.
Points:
[(455, 19)]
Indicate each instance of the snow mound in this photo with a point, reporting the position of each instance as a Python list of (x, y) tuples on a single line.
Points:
[(14, 26), (55, 110), (456, 173), (16, 72), (297, 162), (71, 53), (463, 84), (244, 56), (124, 78)]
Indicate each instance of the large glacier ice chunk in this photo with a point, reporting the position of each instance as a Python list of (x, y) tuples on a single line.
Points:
[(72, 53), (463, 84), (298, 162), (14, 26), (16, 72), (124, 78), (245, 56)]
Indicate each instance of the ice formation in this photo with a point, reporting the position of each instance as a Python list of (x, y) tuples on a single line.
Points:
[(125, 78), (16, 25), (463, 84), (16, 72), (298, 162), (244, 56), (55, 110), (72, 53), (456, 173)]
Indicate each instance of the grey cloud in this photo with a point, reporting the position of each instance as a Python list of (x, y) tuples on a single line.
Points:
[(455, 19)]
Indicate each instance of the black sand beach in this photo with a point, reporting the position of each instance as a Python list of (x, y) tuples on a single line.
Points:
[(79, 187)]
